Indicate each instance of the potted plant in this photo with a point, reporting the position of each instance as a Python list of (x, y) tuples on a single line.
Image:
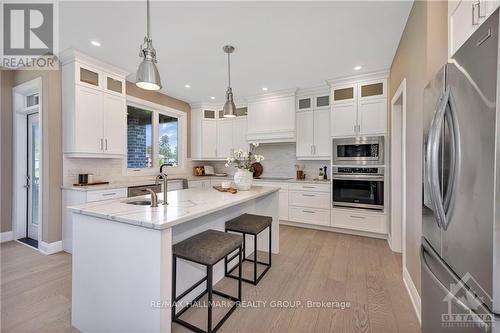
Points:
[(242, 160)]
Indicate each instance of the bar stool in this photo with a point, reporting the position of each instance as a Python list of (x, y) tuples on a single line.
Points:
[(206, 248), (249, 224)]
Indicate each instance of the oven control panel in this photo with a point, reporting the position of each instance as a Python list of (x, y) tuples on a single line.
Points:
[(357, 170)]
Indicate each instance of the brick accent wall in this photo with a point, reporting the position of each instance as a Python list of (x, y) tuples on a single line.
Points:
[(136, 143)]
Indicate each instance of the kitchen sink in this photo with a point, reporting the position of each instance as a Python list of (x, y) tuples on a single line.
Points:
[(141, 202)]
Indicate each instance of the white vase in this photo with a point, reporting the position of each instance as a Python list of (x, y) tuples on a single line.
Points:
[(243, 179)]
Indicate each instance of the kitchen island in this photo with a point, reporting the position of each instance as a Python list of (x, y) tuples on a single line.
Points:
[(122, 254)]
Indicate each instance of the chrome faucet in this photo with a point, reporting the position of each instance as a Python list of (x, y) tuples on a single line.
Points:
[(154, 197), (164, 177)]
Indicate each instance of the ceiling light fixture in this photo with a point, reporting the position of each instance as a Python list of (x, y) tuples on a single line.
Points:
[(187, 86), (212, 97), (357, 68), (147, 75), (95, 43), (229, 107), (264, 89)]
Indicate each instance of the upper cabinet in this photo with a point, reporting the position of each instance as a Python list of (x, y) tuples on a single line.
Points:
[(214, 137), (271, 117), (359, 106), (313, 124), (465, 16), (94, 107)]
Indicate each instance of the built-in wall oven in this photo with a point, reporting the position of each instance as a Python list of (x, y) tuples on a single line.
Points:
[(359, 187), (358, 151)]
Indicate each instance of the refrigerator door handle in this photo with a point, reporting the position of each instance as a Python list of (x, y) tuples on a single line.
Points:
[(431, 165), (426, 250)]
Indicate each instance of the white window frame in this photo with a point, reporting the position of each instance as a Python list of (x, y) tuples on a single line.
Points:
[(181, 138)]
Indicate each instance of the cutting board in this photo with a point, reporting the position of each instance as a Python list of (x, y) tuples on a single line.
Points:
[(230, 190)]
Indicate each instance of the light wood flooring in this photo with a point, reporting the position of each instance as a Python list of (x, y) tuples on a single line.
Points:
[(312, 266)]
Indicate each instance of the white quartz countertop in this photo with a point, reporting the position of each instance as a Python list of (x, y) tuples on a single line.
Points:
[(184, 205)]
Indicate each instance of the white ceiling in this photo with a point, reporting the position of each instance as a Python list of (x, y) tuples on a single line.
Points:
[(279, 45)]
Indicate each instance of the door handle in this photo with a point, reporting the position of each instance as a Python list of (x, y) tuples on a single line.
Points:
[(476, 9), (357, 217), (308, 195), (426, 250), (101, 144), (308, 211), (27, 185), (106, 140)]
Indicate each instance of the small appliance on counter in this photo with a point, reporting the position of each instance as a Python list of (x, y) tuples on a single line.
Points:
[(300, 172), (87, 179), (209, 170)]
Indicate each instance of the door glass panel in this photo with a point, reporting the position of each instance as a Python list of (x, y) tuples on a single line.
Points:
[(221, 114), (304, 103), (358, 150), (372, 89), (358, 191), (208, 114), (32, 100), (168, 137), (114, 85), (139, 138), (89, 77), (322, 101), (241, 112), (35, 171), (343, 94)]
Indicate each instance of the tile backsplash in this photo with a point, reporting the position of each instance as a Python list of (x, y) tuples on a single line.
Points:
[(279, 161)]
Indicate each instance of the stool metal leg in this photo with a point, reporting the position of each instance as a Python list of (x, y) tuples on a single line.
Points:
[(239, 274), (209, 288), (270, 244), (174, 280), (255, 259)]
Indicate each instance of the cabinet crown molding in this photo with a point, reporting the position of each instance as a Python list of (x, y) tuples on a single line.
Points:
[(71, 55), (273, 95), (378, 75), (319, 90)]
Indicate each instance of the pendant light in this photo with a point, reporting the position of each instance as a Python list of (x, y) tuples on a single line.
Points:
[(147, 74), (229, 107)]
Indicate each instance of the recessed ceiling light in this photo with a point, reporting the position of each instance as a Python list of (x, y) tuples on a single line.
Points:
[(187, 86), (95, 43), (264, 89), (357, 68), (212, 97)]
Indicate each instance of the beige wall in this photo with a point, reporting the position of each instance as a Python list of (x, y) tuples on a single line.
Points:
[(6, 78), (421, 52), (158, 98)]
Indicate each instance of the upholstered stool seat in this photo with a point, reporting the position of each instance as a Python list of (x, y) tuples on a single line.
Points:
[(206, 248), (250, 224)]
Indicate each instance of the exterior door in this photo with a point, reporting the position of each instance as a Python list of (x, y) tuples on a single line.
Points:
[(33, 176)]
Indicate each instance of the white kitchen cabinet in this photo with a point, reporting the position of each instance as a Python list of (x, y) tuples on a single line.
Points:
[(283, 196), (94, 107), (305, 134), (465, 17), (224, 137), (310, 215), (359, 220), (209, 139), (271, 117), (322, 133), (240, 133), (359, 106), (114, 124), (309, 199), (309, 203), (305, 103), (199, 183)]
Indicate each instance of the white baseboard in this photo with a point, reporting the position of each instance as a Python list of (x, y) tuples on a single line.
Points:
[(50, 248), (414, 296), (6, 236), (333, 229)]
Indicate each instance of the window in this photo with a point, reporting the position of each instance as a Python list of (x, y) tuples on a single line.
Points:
[(139, 138), (168, 132), (156, 135)]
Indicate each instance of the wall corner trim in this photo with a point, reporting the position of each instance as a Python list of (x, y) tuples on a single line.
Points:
[(50, 248), (414, 296), (6, 236)]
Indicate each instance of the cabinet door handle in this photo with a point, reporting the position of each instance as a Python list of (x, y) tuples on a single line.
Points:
[(308, 195), (106, 140), (476, 7), (307, 186), (108, 194), (355, 126), (308, 211), (357, 217), (101, 144)]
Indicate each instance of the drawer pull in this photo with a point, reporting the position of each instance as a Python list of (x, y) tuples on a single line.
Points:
[(308, 195), (309, 211), (108, 194), (357, 217), (307, 186)]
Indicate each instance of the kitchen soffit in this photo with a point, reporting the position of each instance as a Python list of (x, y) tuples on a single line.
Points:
[(279, 44)]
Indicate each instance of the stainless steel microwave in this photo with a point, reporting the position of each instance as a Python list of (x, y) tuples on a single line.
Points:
[(358, 151)]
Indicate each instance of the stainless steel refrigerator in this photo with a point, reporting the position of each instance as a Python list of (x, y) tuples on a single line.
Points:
[(460, 252)]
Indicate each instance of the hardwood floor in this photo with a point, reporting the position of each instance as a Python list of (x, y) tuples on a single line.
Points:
[(312, 266)]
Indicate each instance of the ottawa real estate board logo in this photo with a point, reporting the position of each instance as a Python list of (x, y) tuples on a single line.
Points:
[(29, 36)]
